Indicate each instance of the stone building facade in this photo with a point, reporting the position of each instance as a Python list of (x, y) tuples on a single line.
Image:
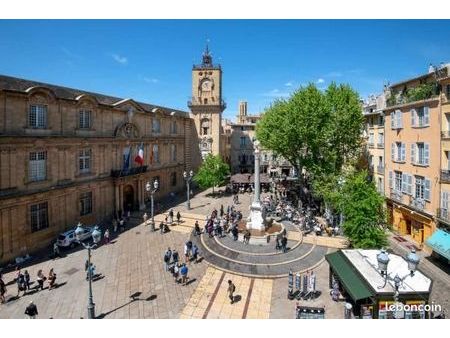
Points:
[(67, 155), (416, 168)]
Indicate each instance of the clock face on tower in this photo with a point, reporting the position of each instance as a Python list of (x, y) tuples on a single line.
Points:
[(206, 85)]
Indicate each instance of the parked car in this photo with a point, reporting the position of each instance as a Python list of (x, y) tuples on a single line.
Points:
[(68, 239)]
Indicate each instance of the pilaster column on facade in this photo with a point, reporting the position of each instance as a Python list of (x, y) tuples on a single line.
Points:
[(120, 196), (142, 198)]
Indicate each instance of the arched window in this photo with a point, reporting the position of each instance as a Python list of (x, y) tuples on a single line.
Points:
[(205, 127)]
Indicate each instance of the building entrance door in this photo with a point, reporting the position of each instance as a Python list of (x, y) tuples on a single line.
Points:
[(128, 197)]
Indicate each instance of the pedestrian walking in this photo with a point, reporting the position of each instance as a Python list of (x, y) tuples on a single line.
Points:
[(231, 290), (219, 230), (167, 258), (56, 252), (221, 210), (122, 224), (171, 216), (145, 218), (41, 279), (106, 236), (235, 232), (197, 230), (26, 277), (2, 290), (31, 310), (247, 237), (178, 217), (176, 273), (114, 224), (128, 215), (184, 274), (175, 257), (195, 253), (20, 281), (51, 279), (284, 244), (187, 252)]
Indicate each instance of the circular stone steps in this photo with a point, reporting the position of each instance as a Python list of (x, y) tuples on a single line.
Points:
[(259, 261)]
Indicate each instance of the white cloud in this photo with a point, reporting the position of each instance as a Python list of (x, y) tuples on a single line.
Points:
[(120, 59), (150, 80), (289, 84), (320, 80)]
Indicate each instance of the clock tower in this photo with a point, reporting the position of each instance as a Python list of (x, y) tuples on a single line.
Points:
[(207, 105)]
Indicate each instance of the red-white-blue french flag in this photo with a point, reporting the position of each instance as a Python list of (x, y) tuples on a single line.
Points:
[(140, 155)]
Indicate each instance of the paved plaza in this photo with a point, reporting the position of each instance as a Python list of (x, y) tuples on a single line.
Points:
[(134, 283)]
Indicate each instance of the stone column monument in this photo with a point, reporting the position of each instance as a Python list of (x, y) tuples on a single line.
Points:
[(256, 218)]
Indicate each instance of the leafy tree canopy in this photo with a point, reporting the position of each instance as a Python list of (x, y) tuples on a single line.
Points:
[(212, 172)]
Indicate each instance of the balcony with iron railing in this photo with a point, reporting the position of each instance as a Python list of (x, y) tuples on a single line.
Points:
[(396, 195), (380, 169), (380, 145), (443, 214), (445, 176), (129, 171), (210, 101), (445, 134), (371, 145), (417, 203)]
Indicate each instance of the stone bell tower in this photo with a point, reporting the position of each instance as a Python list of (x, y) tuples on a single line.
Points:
[(207, 105)]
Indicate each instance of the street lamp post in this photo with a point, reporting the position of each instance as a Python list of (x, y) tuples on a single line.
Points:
[(188, 178), (383, 262), (96, 236), (148, 188)]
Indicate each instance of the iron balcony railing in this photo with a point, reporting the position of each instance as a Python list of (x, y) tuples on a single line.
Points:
[(380, 169), (380, 145), (210, 101), (445, 134), (443, 214), (396, 195), (417, 203), (129, 171), (371, 145), (445, 176)]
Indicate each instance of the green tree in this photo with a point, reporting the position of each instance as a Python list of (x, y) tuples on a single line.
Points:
[(314, 130), (212, 172), (363, 210)]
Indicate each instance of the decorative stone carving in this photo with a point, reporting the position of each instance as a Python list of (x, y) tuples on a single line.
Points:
[(127, 130)]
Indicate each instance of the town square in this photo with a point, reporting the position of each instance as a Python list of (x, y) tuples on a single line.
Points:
[(222, 179)]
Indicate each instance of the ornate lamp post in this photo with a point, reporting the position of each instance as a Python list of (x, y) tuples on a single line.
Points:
[(96, 236), (383, 262), (152, 190), (188, 178)]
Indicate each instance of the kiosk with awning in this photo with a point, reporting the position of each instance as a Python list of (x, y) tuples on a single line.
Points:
[(439, 242), (354, 272)]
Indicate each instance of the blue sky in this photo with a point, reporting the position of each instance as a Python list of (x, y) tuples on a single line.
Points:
[(151, 60)]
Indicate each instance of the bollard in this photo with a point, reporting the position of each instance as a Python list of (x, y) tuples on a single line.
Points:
[(290, 285)]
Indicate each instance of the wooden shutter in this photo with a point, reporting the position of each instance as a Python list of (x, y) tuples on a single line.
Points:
[(404, 183), (393, 151), (403, 152), (427, 153), (427, 190), (413, 117), (390, 180), (426, 116), (413, 153), (399, 119), (392, 120), (444, 200)]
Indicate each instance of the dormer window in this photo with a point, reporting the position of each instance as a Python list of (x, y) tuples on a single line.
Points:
[(84, 119), (37, 117)]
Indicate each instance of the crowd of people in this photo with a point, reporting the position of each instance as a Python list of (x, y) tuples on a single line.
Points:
[(23, 283), (178, 269)]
